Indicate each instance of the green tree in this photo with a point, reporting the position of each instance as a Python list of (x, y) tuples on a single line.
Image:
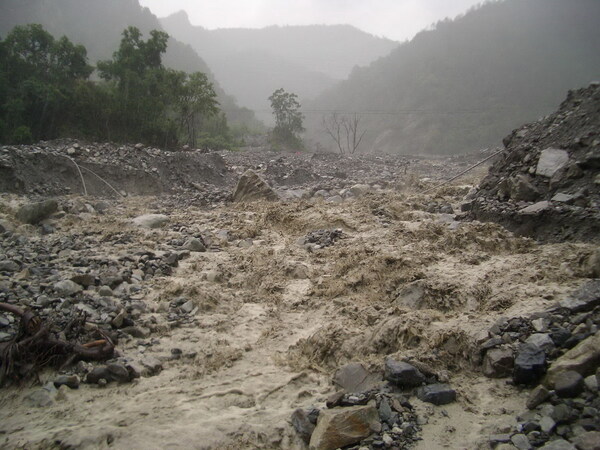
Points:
[(288, 119), (197, 101), (38, 79), (142, 89)]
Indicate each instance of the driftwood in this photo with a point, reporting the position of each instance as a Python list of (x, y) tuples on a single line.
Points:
[(36, 346)]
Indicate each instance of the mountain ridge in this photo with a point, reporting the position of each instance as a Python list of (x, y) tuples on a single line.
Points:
[(305, 60), (464, 84)]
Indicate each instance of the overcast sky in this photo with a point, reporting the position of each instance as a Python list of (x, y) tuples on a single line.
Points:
[(395, 19)]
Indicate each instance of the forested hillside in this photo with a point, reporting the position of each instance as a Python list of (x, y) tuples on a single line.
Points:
[(252, 63), (98, 25), (466, 83)]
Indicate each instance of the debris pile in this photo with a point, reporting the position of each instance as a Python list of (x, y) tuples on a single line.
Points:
[(558, 352), (546, 184)]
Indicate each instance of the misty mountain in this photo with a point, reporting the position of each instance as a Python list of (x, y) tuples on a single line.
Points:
[(98, 25), (252, 63), (465, 84)]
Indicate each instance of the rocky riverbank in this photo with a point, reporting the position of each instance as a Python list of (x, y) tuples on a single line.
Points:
[(340, 307)]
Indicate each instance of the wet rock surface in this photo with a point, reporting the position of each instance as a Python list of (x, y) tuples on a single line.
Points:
[(561, 406)]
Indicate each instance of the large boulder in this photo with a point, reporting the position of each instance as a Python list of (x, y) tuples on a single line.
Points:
[(585, 298), (252, 187), (340, 427), (33, 213), (530, 364), (551, 161), (403, 374), (584, 359), (438, 394), (67, 288), (498, 362)]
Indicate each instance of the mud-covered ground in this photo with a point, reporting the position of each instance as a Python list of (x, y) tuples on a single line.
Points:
[(271, 319)]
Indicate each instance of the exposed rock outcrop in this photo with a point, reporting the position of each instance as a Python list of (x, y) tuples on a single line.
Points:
[(546, 183)]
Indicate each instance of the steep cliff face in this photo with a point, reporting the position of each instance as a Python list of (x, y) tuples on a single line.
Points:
[(547, 182)]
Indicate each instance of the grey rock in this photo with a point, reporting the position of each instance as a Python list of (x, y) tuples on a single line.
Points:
[(34, 213), (536, 208), (551, 161), (584, 359), (530, 364), (385, 411), (117, 322), (151, 220), (252, 187), (118, 372), (496, 439), (492, 342), (568, 384), (537, 396), (591, 383), (540, 325), (563, 198), (301, 422), (359, 190), (353, 377), (84, 279), (521, 442), (105, 291), (561, 413), (9, 266), (589, 440), (67, 288), (547, 424), (195, 245), (541, 340), (97, 374), (498, 362), (438, 394), (558, 444), (522, 189), (335, 399), (187, 307), (403, 374), (585, 298)]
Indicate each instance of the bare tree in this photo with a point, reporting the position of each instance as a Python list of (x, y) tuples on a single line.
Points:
[(345, 131), (353, 137)]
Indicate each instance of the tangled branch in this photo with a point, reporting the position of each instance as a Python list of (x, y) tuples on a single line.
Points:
[(35, 346)]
